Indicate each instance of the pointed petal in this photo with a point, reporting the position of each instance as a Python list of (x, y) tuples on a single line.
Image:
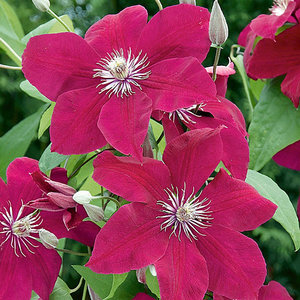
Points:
[(44, 204), (61, 188), (177, 83), (62, 200), (130, 240), (124, 122), (236, 204), (176, 31), (131, 180), (274, 290), (120, 31), (235, 264), (182, 272), (44, 267), (192, 157), (77, 113), (290, 86), (57, 63)]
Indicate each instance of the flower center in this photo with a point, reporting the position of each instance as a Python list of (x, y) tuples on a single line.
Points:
[(186, 214), (119, 74), (19, 231), (279, 7)]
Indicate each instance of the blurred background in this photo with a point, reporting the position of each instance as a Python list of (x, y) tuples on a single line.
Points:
[(283, 264)]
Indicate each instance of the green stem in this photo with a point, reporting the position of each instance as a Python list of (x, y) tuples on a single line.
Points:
[(84, 291), (52, 13), (11, 50), (160, 7), (110, 199), (72, 252), (77, 287), (160, 138), (217, 57), (10, 67)]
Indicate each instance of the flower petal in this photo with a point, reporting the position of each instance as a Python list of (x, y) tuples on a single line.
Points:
[(176, 31), (59, 174), (192, 157), (142, 296), (77, 112), (131, 180), (130, 240), (290, 86), (171, 129), (4, 197), (235, 264), (236, 204), (120, 31), (289, 157), (177, 83), (124, 122), (274, 290), (57, 63), (182, 272)]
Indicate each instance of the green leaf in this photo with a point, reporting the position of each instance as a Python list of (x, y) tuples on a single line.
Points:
[(17, 140), (118, 279), (275, 125), (32, 91), (60, 291), (100, 283), (50, 160), (152, 283), (46, 120), (256, 87), (285, 213)]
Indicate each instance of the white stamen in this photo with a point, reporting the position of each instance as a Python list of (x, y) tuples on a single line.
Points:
[(279, 7), (118, 74), (186, 214)]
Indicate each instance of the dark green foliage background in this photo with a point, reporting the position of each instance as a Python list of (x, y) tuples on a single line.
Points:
[(283, 263)]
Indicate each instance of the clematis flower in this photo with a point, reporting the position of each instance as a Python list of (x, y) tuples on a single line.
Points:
[(189, 237), (26, 264), (274, 58), (107, 84), (272, 291)]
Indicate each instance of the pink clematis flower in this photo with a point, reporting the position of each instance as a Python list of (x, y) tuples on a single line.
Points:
[(107, 84), (272, 291), (26, 264), (189, 237)]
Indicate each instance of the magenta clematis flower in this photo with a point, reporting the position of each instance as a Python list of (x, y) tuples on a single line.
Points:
[(26, 264), (272, 291), (274, 58), (189, 237), (107, 84)]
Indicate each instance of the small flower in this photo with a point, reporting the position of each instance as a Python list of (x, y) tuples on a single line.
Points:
[(42, 5), (218, 29)]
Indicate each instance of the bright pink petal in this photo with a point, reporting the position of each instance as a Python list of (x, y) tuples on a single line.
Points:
[(142, 296), (116, 32), (59, 174), (44, 204), (77, 112), (266, 25), (124, 122), (182, 272), (131, 180), (192, 157), (130, 240), (57, 63), (235, 264), (236, 204), (274, 58), (62, 200), (171, 129), (177, 83), (274, 290), (290, 86), (289, 157), (243, 37), (44, 268), (4, 197), (20, 185), (176, 31)]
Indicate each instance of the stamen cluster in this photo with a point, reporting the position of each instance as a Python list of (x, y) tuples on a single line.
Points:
[(279, 7)]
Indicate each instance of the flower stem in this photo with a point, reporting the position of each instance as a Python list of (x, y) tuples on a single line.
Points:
[(11, 50), (10, 67), (72, 252), (217, 57), (160, 7), (84, 291), (111, 199), (160, 138), (53, 14), (77, 287)]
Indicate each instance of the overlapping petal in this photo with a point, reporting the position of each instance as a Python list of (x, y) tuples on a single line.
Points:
[(274, 290), (130, 240), (289, 157)]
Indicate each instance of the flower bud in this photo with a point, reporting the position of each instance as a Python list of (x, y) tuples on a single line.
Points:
[(42, 5), (82, 197), (94, 212), (218, 29), (48, 239), (141, 275), (152, 270), (193, 2)]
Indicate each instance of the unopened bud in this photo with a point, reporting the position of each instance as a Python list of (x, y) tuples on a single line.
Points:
[(218, 29), (141, 275), (42, 5), (83, 197), (48, 239), (152, 270), (193, 2), (94, 212)]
